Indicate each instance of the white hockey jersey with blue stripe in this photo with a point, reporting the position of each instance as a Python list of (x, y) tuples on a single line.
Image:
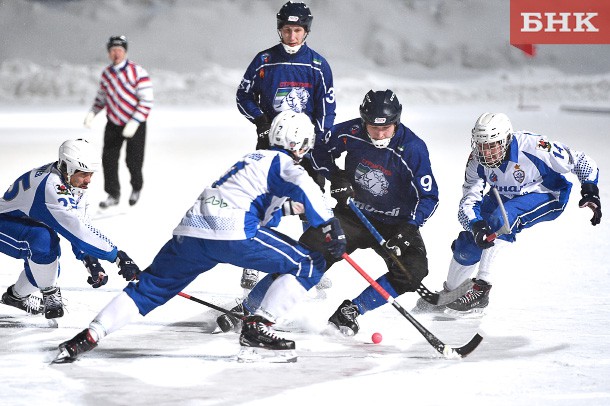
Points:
[(250, 195), (534, 165), (42, 195)]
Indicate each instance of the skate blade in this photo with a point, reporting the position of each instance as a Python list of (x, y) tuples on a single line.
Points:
[(63, 357), (251, 354), (476, 313)]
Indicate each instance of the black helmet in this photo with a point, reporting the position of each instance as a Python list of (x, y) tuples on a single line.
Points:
[(295, 14), (380, 108), (117, 41)]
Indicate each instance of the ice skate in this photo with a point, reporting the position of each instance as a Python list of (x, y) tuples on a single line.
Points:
[(53, 305), (344, 318), (109, 202), (71, 349), (29, 304), (473, 303), (259, 343), (249, 278), (134, 197), (228, 322), (423, 306)]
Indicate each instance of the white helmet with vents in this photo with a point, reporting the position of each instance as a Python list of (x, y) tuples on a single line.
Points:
[(293, 132), (491, 136), (79, 155)]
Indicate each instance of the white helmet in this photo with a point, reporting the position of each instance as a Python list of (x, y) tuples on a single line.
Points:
[(79, 155), (491, 137), (293, 132)]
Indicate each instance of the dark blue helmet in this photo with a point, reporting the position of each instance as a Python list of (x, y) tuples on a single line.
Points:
[(380, 108), (117, 41), (295, 14)]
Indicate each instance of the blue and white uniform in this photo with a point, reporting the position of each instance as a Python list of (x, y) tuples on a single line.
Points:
[(231, 223), (531, 183), (37, 207), (276, 81)]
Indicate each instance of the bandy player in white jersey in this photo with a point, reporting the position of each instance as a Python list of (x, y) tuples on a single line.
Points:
[(39, 206), (231, 222), (528, 171)]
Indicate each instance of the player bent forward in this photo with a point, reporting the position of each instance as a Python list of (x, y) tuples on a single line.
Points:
[(38, 207), (527, 171), (231, 223)]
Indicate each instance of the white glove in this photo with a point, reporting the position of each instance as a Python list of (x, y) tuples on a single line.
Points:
[(130, 128), (89, 119)]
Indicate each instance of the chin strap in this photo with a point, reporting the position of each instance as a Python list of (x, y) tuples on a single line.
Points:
[(292, 50)]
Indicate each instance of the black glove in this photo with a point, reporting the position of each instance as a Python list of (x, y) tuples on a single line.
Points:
[(128, 269), (408, 236), (341, 188), (262, 130), (97, 276), (480, 230), (590, 199), (334, 241)]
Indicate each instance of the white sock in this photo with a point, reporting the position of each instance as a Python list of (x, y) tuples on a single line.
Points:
[(458, 273), (283, 294), (23, 287), (487, 259), (118, 313)]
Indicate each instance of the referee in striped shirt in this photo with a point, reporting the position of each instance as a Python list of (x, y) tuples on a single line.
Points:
[(126, 93)]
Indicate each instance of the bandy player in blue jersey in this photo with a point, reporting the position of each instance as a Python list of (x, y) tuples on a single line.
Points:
[(288, 76), (527, 170)]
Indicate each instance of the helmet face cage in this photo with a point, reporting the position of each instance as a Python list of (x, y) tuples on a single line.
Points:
[(117, 41), (293, 132), (295, 14), (380, 108), (79, 155), (491, 136)]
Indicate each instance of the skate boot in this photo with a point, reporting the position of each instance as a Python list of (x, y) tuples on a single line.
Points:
[(71, 349), (249, 278), (29, 304), (473, 302), (53, 305), (344, 318), (134, 197), (228, 322), (259, 343), (109, 202)]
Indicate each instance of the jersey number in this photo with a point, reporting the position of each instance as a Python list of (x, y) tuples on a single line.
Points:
[(13, 190), (426, 183)]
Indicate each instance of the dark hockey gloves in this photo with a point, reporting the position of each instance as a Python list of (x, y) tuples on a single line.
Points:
[(407, 237), (97, 276), (128, 269), (334, 241), (590, 199), (262, 130), (341, 188), (480, 230)]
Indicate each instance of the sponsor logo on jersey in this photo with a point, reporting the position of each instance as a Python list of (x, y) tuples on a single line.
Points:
[(509, 189), (519, 174), (62, 190), (542, 144), (261, 73), (355, 128), (215, 201), (372, 179), (395, 212), (493, 177), (291, 98)]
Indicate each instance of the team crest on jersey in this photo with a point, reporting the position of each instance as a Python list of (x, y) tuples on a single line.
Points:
[(265, 58), (291, 98), (493, 177), (261, 73), (62, 190), (519, 174), (355, 128), (371, 179), (542, 144)]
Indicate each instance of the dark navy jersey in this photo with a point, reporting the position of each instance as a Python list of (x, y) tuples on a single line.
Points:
[(276, 81), (393, 184)]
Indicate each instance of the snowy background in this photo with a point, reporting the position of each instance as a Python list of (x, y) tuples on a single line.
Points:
[(548, 325)]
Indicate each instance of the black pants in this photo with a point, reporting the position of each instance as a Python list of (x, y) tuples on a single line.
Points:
[(113, 142), (414, 259)]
